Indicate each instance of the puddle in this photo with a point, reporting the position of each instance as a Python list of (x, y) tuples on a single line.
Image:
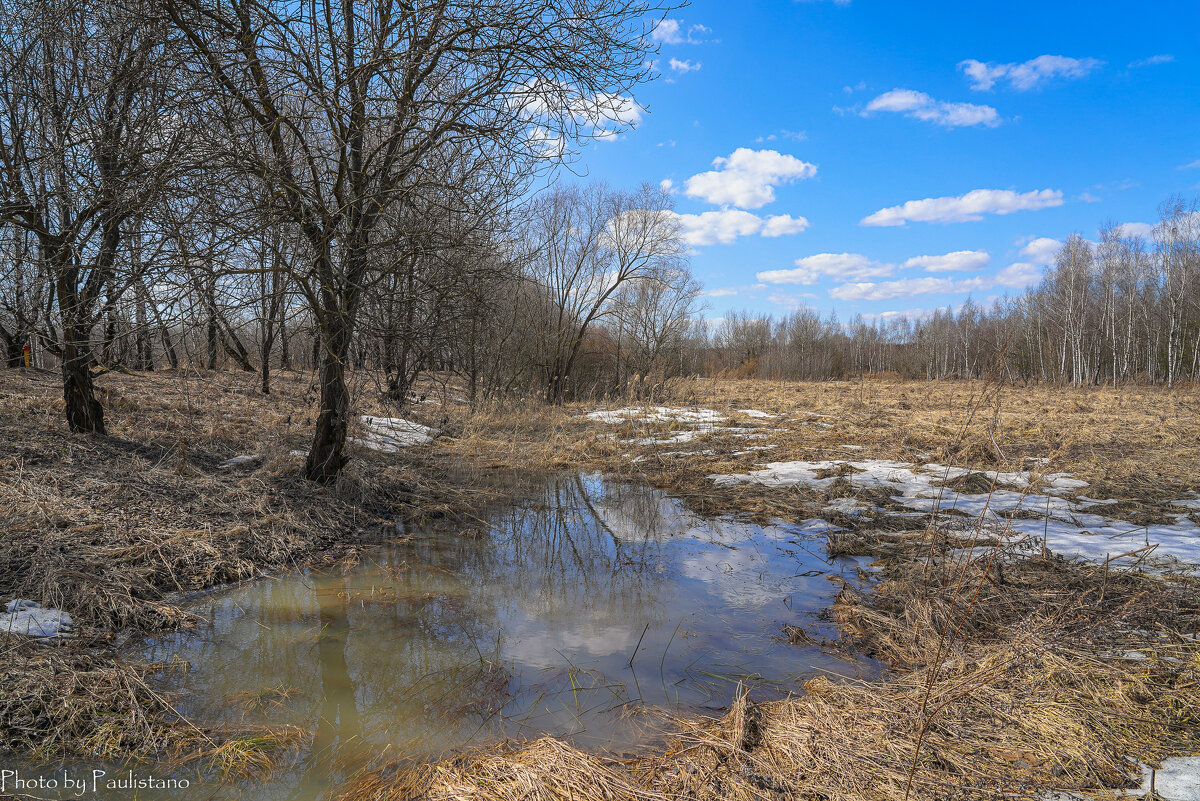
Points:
[(567, 615)]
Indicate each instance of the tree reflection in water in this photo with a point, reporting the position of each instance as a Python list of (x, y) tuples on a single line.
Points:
[(440, 640)]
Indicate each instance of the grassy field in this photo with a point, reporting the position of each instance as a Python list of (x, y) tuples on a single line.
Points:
[(1007, 673)]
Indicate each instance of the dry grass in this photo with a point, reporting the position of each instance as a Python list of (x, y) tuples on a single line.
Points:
[(1137, 444), (1007, 676)]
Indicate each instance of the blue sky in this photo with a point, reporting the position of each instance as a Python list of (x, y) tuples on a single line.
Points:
[(834, 121)]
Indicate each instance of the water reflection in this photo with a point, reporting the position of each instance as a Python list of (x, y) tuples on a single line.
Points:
[(568, 613)]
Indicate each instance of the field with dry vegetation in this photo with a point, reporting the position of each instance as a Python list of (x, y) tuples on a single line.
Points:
[(1010, 667)]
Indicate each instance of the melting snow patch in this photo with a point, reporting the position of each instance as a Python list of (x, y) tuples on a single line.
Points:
[(850, 507), (237, 461), (757, 413), (390, 434), (1061, 483), (1189, 503), (28, 618), (815, 525), (1177, 780), (1009, 479), (678, 437), (1063, 523), (752, 449), (657, 414)]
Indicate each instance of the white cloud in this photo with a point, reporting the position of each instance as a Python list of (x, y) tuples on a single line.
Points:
[(683, 66), (790, 300), (1145, 230), (604, 109), (783, 225), (668, 32), (602, 115), (727, 292), (1015, 276), (921, 106), (747, 178), (726, 225), (964, 208), (1037, 254), (723, 226), (857, 267), (1042, 250), (666, 184), (810, 269), (957, 261), (1026, 76), (908, 314), (1190, 166), (1162, 58), (671, 31), (903, 288), (1019, 275), (784, 133)]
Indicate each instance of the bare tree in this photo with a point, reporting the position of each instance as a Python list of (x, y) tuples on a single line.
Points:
[(336, 105), (89, 132), (653, 315), (589, 242)]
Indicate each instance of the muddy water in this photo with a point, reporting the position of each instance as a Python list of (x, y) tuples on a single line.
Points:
[(570, 615)]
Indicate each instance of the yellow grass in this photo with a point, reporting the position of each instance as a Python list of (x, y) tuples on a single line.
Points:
[(1012, 693)]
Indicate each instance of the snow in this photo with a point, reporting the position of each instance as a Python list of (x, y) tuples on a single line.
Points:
[(1009, 479), (390, 434), (1189, 503), (672, 439), (29, 618), (1177, 780), (757, 413), (1062, 481), (656, 414), (850, 507), (752, 449), (244, 459), (815, 525), (687, 435), (1063, 523)]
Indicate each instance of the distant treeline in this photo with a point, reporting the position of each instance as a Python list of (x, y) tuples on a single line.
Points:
[(1124, 309)]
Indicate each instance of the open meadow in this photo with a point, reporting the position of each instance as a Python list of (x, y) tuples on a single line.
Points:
[(1022, 582)]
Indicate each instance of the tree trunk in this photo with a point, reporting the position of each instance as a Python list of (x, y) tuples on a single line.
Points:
[(14, 349), (266, 370), (143, 350), (165, 333), (327, 456), (285, 355), (85, 415), (232, 345), (268, 340), (210, 301)]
